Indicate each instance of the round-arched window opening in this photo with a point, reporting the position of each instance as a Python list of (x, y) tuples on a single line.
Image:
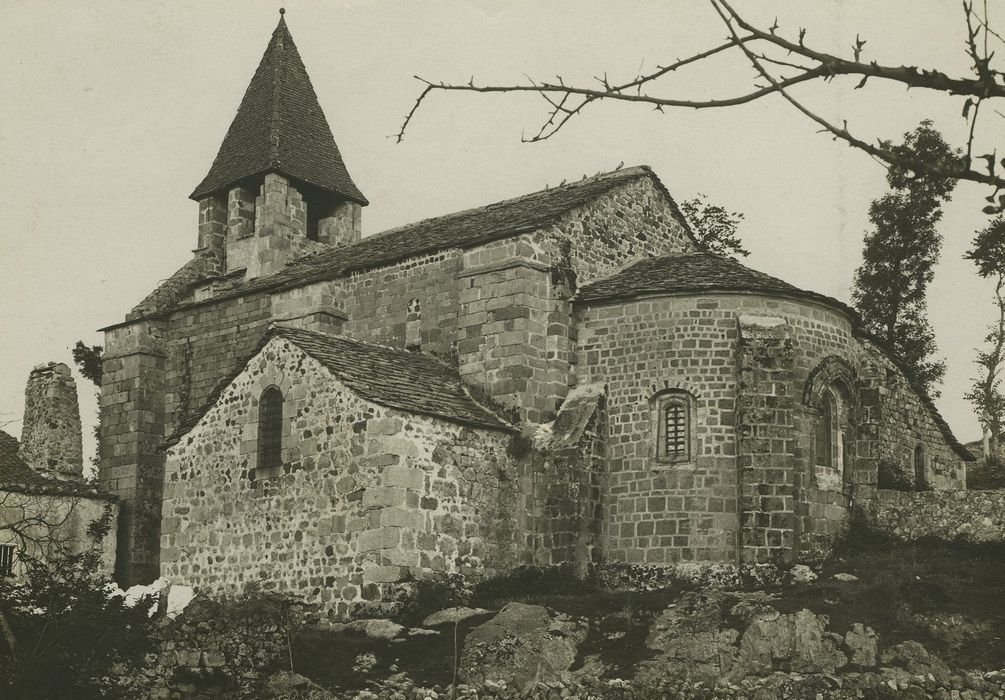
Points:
[(270, 428), (825, 443)]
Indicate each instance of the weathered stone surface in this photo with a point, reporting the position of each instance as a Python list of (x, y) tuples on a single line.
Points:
[(846, 577), (914, 657), (521, 645), (375, 628), (458, 614), (979, 515), (796, 642), (862, 643), (285, 683), (802, 574), (690, 640)]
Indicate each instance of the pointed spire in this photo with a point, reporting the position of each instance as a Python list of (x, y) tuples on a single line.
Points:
[(280, 127)]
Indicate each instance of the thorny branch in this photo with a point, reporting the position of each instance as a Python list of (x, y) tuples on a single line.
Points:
[(801, 64)]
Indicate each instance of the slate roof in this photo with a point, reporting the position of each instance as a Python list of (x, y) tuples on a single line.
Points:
[(463, 229), (16, 475), (409, 381), (695, 272), (280, 127)]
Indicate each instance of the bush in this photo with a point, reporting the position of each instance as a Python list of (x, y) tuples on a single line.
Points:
[(67, 632), (891, 476)]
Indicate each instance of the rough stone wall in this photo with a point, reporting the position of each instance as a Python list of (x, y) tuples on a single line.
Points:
[(905, 422), (630, 223), (41, 525), (278, 234), (766, 437), (979, 515), (203, 344), (50, 432), (562, 482), (367, 497)]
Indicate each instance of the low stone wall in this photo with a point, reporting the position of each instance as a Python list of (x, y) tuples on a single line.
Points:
[(212, 650), (979, 515)]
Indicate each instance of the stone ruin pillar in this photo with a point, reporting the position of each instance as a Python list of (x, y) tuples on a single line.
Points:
[(50, 434)]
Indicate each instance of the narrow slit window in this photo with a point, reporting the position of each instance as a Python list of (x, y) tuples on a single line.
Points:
[(270, 429), (825, 433)]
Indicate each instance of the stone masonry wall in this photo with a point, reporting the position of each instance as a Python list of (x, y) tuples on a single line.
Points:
[(979, 515), (368, 496), (905, 422), (657, 512), (630, 223)]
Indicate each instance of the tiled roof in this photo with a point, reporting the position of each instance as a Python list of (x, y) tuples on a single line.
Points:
[(13, 469), (16, 475), (695, 272), (401, 379), (280, 127), (462, 229)]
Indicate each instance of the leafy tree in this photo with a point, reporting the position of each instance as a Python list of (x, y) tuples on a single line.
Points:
[(781, 63), (988, 254), (714, 226), (88, 361), (900, 253)]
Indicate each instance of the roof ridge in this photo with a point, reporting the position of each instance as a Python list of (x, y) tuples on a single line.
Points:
[(629, 172), (275, 121)]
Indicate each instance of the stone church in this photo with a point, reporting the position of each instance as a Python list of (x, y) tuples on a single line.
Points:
[(563, 377)]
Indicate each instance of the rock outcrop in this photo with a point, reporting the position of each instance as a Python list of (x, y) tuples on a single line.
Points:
[(521, 645)]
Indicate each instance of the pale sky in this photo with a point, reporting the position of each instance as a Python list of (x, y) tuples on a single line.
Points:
[(111, 113)]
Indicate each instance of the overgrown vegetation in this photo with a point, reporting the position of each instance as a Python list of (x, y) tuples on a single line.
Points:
[(65, 633), (891, 476), (947, 595)]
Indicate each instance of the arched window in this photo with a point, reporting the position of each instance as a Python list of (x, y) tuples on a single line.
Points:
[(825, 446), (920, 482), (674, 429), (270, 429)]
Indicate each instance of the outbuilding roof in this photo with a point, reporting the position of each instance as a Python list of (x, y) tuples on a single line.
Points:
[(415, 382), (16, 475), (280, 127)]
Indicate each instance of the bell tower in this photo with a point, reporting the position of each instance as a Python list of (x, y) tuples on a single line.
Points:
[(278, 186)]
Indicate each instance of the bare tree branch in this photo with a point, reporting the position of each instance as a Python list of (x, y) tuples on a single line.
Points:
[(566, 101)]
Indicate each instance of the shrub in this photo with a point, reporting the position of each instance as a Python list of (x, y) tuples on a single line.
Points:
[(66, 633), (891, 476)]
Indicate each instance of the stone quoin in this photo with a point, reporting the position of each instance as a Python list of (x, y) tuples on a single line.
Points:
[(562, 377)]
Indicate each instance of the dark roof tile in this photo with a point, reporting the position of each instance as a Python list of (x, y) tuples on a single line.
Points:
[(280, 127), (695, 272), (409, 381)]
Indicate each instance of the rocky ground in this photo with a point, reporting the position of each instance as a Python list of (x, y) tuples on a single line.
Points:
[(879, 621)]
